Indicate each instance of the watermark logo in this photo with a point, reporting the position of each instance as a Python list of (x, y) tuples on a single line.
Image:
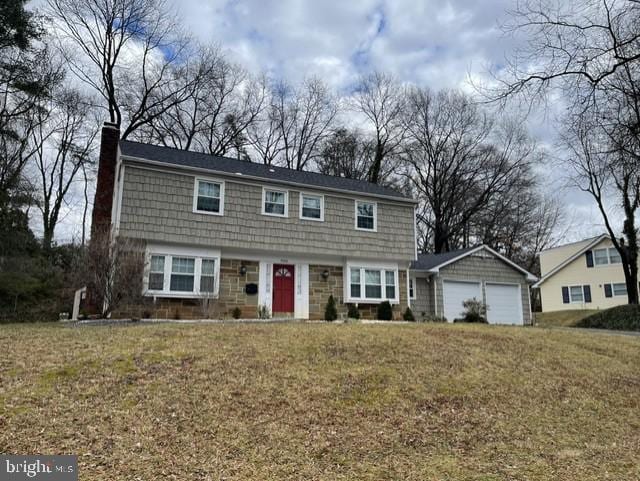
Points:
[(36, 467)]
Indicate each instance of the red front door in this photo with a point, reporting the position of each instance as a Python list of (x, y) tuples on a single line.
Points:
[(282, 288)]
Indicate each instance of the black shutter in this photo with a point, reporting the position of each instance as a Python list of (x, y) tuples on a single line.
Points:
[(607, 290), (587, 293), (589, 256), (565, 295)]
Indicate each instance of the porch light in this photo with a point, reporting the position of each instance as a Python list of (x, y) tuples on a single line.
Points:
[(243, 270), (325, 274)]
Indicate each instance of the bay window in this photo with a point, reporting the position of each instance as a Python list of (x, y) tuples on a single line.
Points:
[(369, 284), (182, 273)]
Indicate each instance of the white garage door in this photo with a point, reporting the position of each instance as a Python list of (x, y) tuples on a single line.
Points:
[(455, 293), (504, 304)]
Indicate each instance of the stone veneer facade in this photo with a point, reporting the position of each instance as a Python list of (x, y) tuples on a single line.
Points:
[(320, 289), (232, 295)]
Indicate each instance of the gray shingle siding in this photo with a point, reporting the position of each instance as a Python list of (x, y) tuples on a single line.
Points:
[(482, 268), (422, 305), (158, 206)]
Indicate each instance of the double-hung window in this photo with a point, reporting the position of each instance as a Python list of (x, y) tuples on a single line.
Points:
[(156, 273), (368, 284), (274, 202), (619, 288), (208, 197), (182, 274), (366, 213), (576, 294), (412, 292), (207, 275), (311, 207)]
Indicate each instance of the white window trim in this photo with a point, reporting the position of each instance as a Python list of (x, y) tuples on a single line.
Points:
[(169, 253), (371, 266), (571, 301), (286, 202), (309, 194), (197, 180), (375, 215)]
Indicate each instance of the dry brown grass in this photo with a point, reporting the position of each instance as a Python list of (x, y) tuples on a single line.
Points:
[(323, 402)]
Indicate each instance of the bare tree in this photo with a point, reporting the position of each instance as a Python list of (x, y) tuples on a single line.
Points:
[(62, 145), (459, 161), (265, 136), (128, 51), (221, 104), (346, 154), (382, 100), (113, 271), (304, 117), (590, 52)]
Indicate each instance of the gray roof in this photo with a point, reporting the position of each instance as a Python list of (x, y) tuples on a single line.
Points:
[(427, 262), (226, 165)]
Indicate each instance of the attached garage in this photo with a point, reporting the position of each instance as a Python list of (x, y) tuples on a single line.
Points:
[(504, 303), (444, 281), (455, 293)]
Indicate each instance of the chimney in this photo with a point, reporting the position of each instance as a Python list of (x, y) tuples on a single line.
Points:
[(103, 201)]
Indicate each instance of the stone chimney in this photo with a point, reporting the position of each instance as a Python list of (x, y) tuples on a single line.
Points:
[(103, 201)]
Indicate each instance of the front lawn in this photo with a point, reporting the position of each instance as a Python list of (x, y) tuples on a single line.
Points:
[(561, 318), (323, 402)]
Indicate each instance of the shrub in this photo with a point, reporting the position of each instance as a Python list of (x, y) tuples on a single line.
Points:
[(622, 318), (236, 313), (353, 312), (385, 313), (474, 311), (330, 311), (408, 315)]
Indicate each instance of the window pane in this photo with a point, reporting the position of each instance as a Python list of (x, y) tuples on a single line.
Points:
[(311, 202), (157, 263), (372, 277), (614, 256), (156, 281), (365, 209), (311, 213), (576, 294), (373, 292), (391, 292), (209, 189), (208, 267), (620, 289), (271, 208), (206, 283), (274, 197), (390, 278), (355, 276), (600, 256), (355, 290), (208, 204), (411, 288), (183, 265), (365, 223), (180, 282)]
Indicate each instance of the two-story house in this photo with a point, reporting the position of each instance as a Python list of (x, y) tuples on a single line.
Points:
[(582, 275), (247, 235)]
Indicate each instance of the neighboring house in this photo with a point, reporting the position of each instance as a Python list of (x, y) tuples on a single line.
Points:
[(582, 275), (440, 283), (246, 235)]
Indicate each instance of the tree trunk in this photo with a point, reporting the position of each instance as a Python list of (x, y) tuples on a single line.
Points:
[(630, 257)]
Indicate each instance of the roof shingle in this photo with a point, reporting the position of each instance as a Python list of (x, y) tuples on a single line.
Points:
[(182, 158)]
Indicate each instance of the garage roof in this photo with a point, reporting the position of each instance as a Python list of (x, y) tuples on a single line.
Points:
[(434, 262)]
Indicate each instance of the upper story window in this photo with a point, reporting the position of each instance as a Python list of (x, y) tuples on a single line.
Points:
[(372, 284), (603, 257), (275, 202), (311, 207), (366, 213), (208, 197)]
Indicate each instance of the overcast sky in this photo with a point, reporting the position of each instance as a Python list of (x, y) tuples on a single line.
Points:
[(431, 43)]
